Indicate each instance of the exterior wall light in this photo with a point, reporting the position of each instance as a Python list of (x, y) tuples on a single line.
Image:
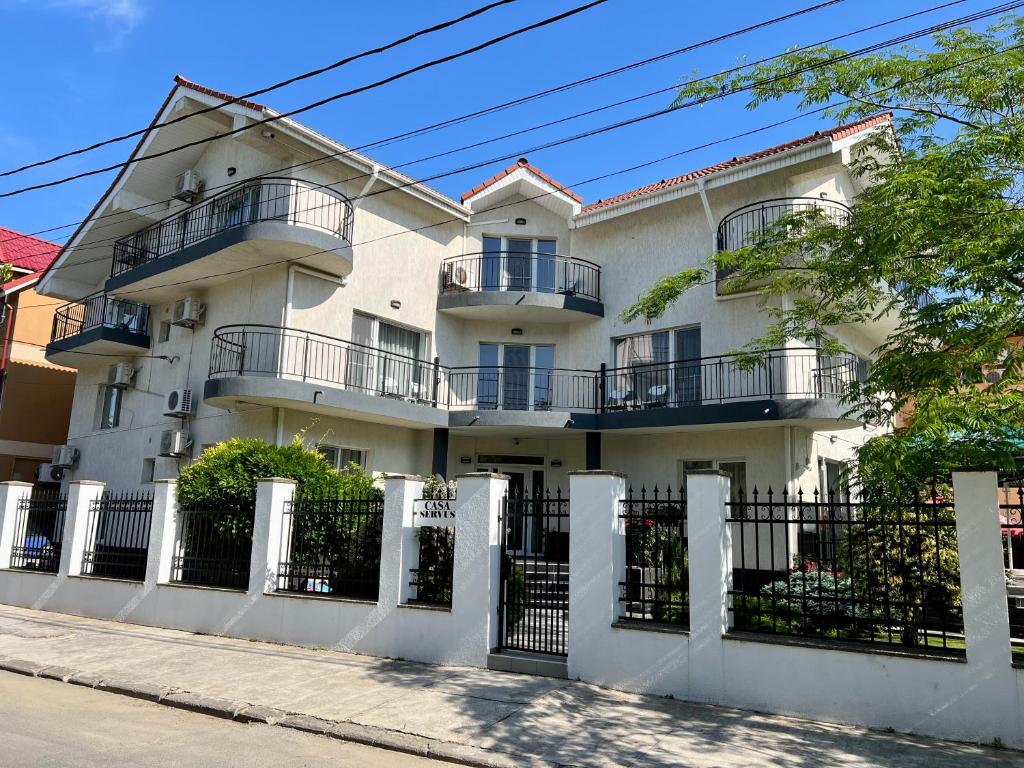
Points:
[(232, 171), (517, 331), (396, 304), (520, 222)]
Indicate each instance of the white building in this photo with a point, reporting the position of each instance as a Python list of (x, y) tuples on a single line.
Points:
[(327, 294)]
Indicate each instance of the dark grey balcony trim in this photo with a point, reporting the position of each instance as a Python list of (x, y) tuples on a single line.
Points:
[(264, 230), (108, 335), (524, 299), (714, 413)]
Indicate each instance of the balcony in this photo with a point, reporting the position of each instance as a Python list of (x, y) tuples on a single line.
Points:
[(249, 226), (98, 324), (288, 368), (745, 225), (282, 367), (515, 285)]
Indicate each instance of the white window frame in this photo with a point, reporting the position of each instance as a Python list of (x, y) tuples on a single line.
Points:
[(532, 366), (101, 409), (715, 464), (532, 254), (337, 449)]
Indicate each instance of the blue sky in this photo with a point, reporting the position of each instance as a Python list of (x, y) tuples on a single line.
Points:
[(78, 71)]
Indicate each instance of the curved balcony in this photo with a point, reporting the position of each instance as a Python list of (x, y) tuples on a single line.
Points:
[(284, 366), (749, 222), (98, 324), (251, 225), (513, 285)]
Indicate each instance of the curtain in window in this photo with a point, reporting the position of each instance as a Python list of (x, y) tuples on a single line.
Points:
[(361, 359), (643, 370), (399, 360), (518, 265)]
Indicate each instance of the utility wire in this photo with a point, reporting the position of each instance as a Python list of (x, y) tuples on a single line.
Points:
[(329, 99), (104, 243), (259, 92)]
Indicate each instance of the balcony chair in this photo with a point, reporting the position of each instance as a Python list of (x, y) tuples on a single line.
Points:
[(657, 396), (620, 400)]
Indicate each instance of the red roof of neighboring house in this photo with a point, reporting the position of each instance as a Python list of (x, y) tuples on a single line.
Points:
[(20, 282), (186, 83), (522, 162), (839, 132), (25, 251)]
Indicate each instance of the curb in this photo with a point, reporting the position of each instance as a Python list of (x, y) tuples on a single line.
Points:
[(244, 712)]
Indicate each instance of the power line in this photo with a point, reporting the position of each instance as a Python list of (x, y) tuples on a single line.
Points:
[(321, 102), (259, 92), (102, 244), (525, 99)]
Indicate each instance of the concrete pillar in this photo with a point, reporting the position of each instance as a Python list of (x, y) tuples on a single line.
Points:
[(164, 532), (593, 451), (597, 543), (77, 523), (399, 547), (982, 579), (268, 531), (709, 542), (477, 570), (12, 530)]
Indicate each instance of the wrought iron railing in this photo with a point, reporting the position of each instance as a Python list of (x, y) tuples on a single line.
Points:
[(117, 535), (880, 571), (655, 587), (290, 201), (332, 547), (39, 531), (521, 271), (513, 388), (1011, 525), (744, 225), (99, 311), (214, 548)]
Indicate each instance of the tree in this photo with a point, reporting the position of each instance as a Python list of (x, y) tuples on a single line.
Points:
[(935, 241)]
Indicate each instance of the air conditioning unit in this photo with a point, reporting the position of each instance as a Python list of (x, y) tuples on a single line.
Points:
[(188, 185), (174, 443), (120, 375), (48, 473), (188, 312), (455, 278), (178, 403), (65, 456)]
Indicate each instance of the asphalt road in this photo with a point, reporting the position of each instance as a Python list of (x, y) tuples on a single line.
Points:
[(45, 723)]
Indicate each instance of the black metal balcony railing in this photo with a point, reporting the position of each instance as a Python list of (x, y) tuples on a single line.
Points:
[(741, 227), (259, 350), (512, 271), (262, 350), (291, 201), (99, 311)]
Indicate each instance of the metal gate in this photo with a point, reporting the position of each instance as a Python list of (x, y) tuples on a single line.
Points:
[(533, 605)]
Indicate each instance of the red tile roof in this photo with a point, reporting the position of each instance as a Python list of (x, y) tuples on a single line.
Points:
[(839, 132), (25, 251), (522, 162), (186, 83), (19, 282)]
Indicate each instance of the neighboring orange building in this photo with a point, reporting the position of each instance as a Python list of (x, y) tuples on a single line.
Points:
[(35, 395)]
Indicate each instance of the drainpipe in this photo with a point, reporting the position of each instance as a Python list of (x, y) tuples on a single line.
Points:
[(374, 175), (702, 191)]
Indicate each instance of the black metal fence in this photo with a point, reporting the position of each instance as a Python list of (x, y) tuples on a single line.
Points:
[(521, 271), (117, 535), (214, 548), (99, 311), (331, 547), (656, 584), (290, 201), (876, 571), (515, 388), (1011, 524), (433, 576), (39, 531)]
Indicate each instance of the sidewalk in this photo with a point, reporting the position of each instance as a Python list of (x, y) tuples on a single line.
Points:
[(475, 716)]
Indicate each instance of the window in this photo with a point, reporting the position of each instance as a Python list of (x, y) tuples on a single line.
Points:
[(165, 332), (736, 468), (342, 459), (516, 377), (520, 264), (655, 369), (386, 359), (110, 407), (148, 470)]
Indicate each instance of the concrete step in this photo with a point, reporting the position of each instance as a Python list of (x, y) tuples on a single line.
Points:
[(525, 663)]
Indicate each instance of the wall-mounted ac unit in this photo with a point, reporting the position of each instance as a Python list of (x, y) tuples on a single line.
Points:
[(48, 473), (174, 443), (188, 312), (120, 375), (455, 278), (188, 185), (65, 456), (178, 403)]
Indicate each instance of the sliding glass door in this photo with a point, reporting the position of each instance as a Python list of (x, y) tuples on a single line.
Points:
[(515, 377)]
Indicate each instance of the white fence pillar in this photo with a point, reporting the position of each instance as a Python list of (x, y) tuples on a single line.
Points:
[(982, 578), (272, 494), (709, 543), (81, 495), (164, 532), (11, 492), (477, 569), (399, 548), (597, 563)]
